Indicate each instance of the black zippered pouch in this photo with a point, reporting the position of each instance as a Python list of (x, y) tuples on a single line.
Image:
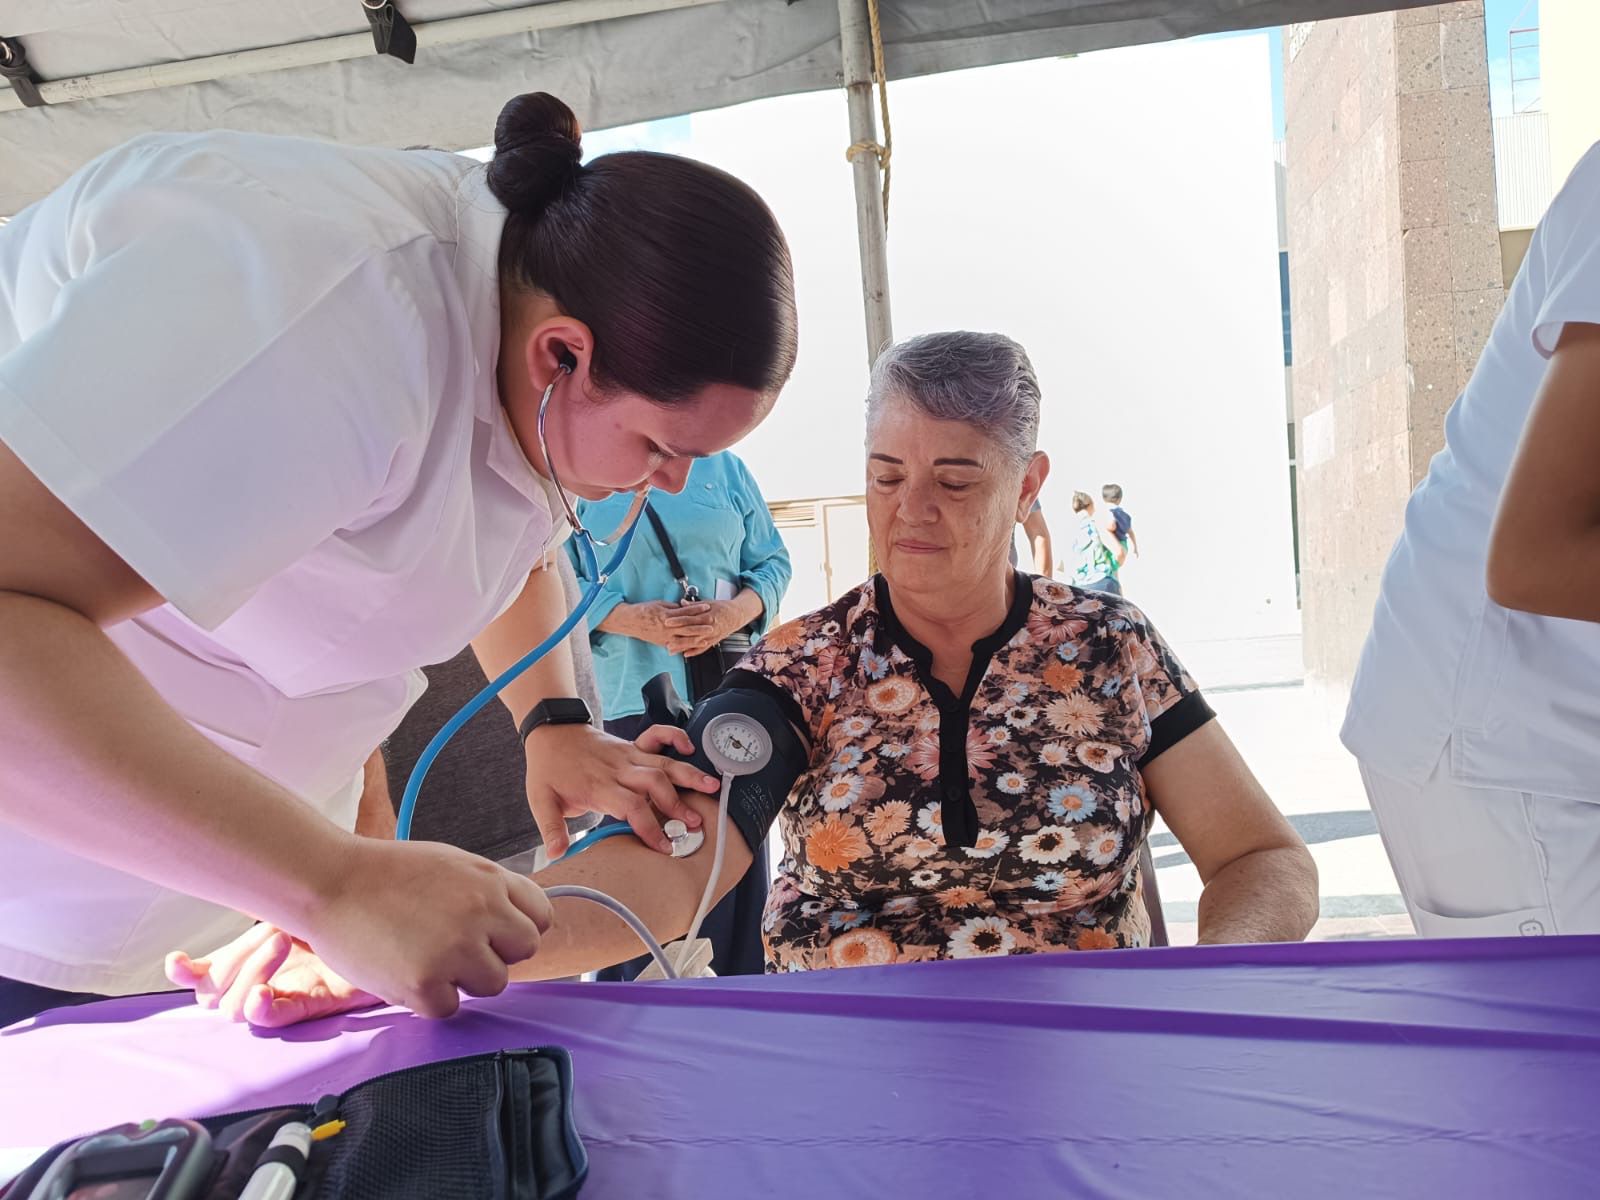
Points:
[(497, 1126)]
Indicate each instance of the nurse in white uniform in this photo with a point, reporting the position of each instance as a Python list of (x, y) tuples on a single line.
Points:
[(268, 444), (1476, 709)]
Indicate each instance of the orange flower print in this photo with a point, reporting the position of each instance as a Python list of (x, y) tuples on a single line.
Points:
[(1022, 717), (842, 792), (1103, 887), (830, 661), (1051, 627), (891, 696), (857, 726), (1099, 756), (1102, 847), (1012, 783), (787, 636), (1076, 715), (918, 849), (987, 844), (980, 752), (862, 948), (1053, 754), (1096, 939), (1052, 592), (1052, 844), (923, 760), (825, 720), (1063, 677), (960, 897), (832, 845), (1144, 661), (888, 821)]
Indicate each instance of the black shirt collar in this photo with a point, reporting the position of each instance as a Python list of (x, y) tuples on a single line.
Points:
[(892, 632)]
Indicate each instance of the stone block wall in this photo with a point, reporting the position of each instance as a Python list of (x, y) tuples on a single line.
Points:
[(1395, 280)]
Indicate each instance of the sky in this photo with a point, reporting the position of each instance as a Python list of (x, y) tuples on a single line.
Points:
[(1037, 317), (1500, 17), (1055, 226)]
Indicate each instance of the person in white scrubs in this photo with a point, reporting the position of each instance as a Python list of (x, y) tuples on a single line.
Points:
[(1475, 712), (269, 442)]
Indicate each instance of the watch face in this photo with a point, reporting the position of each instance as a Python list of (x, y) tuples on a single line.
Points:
[(737, 744)]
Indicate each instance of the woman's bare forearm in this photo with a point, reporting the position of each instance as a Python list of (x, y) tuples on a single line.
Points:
[(663, 892), (1264, 896), (94, 760)]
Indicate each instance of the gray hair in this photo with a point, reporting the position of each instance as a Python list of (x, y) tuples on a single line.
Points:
[(983, 379)]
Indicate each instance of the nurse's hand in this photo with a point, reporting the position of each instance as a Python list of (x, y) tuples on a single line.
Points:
[(268, 979), (415, 923), (577, 769)]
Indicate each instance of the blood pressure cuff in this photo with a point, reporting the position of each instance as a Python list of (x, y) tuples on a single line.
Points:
[(754, 801)]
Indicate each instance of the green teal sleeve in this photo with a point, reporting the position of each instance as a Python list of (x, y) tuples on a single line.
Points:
[(607, 600), (763, 558)]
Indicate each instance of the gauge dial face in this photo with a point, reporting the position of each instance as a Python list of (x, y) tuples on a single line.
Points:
[(737, 744)]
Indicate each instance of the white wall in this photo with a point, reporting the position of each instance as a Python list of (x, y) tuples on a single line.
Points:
[(1569, 38), (1115, 213)]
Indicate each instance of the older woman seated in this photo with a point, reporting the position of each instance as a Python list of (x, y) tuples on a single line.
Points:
[(978, 753)]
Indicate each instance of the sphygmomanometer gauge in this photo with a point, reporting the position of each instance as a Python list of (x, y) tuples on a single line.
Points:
[(736, 745)]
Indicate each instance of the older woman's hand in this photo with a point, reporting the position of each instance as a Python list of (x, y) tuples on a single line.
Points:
[(724, 620), (268, 979), (659, 622)]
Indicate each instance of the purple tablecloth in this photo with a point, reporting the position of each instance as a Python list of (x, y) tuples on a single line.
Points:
[(1357, 1069)]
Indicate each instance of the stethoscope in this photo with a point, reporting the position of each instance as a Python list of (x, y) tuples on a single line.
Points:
[(587, 545)]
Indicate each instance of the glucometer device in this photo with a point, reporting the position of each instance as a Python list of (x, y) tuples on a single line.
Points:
[(165, 1160)]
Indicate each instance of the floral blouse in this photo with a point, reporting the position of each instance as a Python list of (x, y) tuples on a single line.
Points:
[(1005, 820)]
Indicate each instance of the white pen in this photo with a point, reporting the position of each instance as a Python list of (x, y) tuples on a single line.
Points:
[(274, 1179)]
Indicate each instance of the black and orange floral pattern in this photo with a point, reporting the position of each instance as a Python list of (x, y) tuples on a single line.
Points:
[(1077, 693)]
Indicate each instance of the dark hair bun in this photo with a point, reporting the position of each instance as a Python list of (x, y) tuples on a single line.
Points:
[(538, 153)]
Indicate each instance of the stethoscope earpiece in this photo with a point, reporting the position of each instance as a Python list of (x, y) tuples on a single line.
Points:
[(586, 540)]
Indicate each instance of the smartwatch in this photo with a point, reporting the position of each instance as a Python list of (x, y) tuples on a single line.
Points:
[(564, 710)]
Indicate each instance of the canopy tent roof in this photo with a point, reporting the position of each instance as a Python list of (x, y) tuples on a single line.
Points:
[(111, 69)]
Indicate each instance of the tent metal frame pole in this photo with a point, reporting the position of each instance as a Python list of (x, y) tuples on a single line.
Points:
[(855, 42), (530, 18)]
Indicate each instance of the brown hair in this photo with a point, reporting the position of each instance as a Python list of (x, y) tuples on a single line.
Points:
[(1081, 502), (679, 269)]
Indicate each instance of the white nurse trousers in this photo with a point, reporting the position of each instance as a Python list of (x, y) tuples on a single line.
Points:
[(1476, 862)]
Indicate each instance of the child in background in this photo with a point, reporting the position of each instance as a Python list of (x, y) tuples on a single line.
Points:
[(1121, 519)]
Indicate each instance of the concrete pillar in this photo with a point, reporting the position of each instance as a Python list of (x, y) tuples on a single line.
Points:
[(1395, 280)]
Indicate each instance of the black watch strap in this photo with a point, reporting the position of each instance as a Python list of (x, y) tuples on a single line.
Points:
[(564, 710)]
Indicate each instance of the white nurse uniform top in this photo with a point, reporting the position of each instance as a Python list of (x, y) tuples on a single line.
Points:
[(262, 370)]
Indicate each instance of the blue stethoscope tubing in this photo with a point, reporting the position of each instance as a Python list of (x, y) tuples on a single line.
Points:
[(586, 544)]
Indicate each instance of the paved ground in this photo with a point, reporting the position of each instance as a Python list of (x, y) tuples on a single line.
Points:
[(1293, 747)]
